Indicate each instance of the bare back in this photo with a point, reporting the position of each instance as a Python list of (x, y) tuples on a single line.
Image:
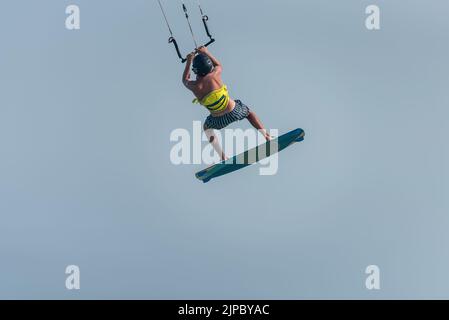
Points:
[(211, 82), (205, 85)]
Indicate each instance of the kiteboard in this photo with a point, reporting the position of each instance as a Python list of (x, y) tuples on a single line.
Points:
[(251, 156)]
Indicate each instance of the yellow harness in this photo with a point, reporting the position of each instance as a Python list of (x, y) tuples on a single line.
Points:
[(216, 101)]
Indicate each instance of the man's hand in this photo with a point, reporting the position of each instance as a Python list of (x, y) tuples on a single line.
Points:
[(202, 50)]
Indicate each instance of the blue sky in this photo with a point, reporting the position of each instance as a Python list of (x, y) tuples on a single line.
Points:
[(86, 178)]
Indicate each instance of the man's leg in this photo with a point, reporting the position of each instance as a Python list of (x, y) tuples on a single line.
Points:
[(215, 143), (256, 123)]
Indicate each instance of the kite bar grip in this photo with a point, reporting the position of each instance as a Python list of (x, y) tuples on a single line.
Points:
[(173, 40), (210, 42)]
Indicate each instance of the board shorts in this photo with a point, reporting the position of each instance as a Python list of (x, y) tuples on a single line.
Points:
[(240, 112)]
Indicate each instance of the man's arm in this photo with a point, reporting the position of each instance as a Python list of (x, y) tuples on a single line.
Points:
[(186, 75)]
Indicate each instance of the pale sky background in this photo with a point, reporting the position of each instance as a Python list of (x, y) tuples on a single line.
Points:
[(85, 176)]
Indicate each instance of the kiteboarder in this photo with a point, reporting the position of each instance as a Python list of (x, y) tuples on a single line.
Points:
[(212, 93)]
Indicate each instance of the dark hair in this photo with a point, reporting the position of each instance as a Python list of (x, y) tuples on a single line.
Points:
[(202, 65)]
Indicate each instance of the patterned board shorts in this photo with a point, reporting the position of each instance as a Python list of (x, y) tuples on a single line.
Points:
[(240, 112)]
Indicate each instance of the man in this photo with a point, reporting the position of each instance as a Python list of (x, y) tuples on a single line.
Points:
[(211, 92)]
